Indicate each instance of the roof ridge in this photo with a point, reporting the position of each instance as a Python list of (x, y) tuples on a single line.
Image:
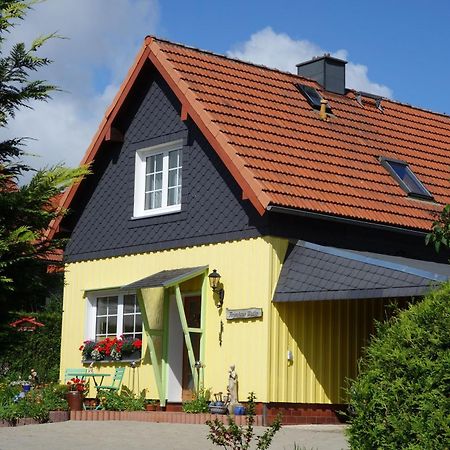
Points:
[(284, 72), (229, 58)]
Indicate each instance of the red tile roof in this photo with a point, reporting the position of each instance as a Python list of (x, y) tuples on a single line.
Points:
[(282, 154)]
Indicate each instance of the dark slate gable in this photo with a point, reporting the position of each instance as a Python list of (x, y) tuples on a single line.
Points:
[(212, 208)]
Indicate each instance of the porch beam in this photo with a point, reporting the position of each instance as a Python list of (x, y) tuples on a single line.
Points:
[(195, 330), (187, 337)]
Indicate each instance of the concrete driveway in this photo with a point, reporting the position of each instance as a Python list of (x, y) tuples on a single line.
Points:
[(119, 435)]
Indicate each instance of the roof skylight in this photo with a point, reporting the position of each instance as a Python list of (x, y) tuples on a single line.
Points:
[(311, 94), (405, 177)]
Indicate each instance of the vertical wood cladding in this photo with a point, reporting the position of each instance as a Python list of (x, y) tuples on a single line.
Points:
[(212, 205)]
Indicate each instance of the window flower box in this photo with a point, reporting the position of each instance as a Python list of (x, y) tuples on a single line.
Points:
[(111, 350), (135, 356)]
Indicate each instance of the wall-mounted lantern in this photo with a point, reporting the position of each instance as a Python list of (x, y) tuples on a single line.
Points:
[(214, 282)]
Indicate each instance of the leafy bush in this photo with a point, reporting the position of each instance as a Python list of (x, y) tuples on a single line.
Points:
[(401, 397), (125, 401), (240, 438), (199, 402), (36, 404)]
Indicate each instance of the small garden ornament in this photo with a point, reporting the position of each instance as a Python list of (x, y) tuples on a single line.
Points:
[(232, 387)]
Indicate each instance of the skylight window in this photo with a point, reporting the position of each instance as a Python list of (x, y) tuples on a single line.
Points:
[(313, 97), (406, 178)]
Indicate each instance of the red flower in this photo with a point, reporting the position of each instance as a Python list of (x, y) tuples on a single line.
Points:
[(76, 384), (137, 344)]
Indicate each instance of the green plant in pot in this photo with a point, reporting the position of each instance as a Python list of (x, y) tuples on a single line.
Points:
[(77, 388)]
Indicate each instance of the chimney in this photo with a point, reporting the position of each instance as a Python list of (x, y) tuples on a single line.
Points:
[(329, 72)]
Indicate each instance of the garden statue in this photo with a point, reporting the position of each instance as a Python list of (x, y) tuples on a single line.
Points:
[(232, 386)]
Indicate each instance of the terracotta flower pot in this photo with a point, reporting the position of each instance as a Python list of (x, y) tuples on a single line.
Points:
[(75, 400)]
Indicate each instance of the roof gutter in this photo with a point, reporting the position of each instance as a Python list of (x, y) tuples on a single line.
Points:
[(344, 220)]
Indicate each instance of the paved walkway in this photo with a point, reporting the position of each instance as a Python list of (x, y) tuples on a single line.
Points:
[(118, 435)]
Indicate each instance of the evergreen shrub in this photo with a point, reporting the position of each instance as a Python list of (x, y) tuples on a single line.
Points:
[(40, 349), (401, 397)]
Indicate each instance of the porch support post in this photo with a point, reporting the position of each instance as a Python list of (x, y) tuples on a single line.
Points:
[(151, 348), (187, 337), (156, 369), (202, 326), (165, 344)]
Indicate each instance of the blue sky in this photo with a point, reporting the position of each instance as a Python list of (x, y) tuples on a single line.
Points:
[(404, 44), (396, 48)]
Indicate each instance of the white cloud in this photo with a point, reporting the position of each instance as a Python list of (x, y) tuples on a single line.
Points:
[(278, 50), (103, 38)]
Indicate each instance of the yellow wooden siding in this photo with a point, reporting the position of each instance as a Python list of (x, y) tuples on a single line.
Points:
[(325, 338), (246, 268)]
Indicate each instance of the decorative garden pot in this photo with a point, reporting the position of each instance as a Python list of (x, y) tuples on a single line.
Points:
[(239, 410), (75, 400), (222, 409)]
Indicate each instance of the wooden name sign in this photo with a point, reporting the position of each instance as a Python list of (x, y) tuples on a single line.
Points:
[(241, 314)]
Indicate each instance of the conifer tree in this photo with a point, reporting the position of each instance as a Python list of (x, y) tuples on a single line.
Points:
[(26, 210)]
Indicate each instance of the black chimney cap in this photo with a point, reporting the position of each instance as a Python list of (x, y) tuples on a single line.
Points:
[(326, 56), (328, 71)]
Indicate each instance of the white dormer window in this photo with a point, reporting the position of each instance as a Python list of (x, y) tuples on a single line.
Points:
[(157, 185)]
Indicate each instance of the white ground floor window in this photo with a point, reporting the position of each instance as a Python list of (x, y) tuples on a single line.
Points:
[(113, 315)]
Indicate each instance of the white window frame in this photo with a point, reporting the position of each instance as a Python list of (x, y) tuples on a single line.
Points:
[(91, 311), (139, 179)]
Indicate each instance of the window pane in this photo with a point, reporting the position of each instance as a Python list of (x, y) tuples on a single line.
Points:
[(112, 305), (147, 204), (173, 178), (138, 327), (158, 182), (411, 181), (102, 305), (149, 183), (157, 199), (128, 324), (172, 197), (129, 302), (112, 325), (154, 163), (174, 159), (158, 162), (100, 327)]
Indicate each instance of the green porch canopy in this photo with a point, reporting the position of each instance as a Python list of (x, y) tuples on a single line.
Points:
[(167, 278), (152, 293)]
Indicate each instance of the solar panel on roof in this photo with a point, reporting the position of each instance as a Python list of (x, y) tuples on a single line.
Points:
[(406, 178)]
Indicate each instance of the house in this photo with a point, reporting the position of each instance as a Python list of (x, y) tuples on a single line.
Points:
[(311, 201)]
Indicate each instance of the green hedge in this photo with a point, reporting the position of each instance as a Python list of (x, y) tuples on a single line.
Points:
[(22, 351), (401, 398)]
